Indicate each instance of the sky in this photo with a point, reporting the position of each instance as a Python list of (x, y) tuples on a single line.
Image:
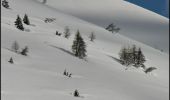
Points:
[(159, 6)]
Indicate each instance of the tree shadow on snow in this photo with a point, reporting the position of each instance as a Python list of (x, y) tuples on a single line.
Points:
[(114, 58), (64, 50)]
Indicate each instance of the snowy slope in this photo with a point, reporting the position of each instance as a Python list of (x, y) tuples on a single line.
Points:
[(39, 76), (136, 22)]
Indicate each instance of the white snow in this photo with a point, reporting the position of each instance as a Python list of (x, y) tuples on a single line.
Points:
[(39, 75)]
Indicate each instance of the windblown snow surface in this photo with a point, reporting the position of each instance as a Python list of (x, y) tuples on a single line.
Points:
[(38, 76)]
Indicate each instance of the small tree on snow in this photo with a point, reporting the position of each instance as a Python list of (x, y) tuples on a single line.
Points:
[(140, 58), (67, 32), (79, 46), (76, 93), (92, 36), (5, 4), (18, 23), (15, 46), (24, 51), (26, 19), (11, 60), (65, 72)]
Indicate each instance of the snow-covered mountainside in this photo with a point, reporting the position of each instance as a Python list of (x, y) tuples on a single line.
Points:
[(39, 76), (135, 22)]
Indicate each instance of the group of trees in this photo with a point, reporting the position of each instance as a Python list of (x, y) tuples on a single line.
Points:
[(132, 56), (67, 34), (5, 4), (135, 57), (15, 48), (18, 22)]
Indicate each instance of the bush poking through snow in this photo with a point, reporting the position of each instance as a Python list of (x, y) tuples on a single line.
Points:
[(112, 28), (57, 33), (67, 73), (15, 46), (24, 51), (11, 60), (150, 69), (18, 23), (79, 46), (76, 93), (5, 4), (26, 19)]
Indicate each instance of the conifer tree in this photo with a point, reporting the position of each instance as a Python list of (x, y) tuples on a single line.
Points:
[(123, 55), (134, 54), (76, 93), (5, 4), (92, 36), (26, 19), (18, 23), (140, 58), (65, 72), (24, 51), (79, 46), (11, 60)]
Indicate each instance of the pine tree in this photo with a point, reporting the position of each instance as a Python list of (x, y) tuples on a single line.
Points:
[(65, 72), (140, 58), (76, 93), (24, 51), (15, 46), (134, 54), (26, 19), (79, 46), (123, 55), (5, 4), (92, 37), (18, 23), (11, 60), (67, 32)]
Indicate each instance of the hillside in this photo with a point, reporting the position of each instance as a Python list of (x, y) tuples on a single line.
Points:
[(135, 22), (39, 76)]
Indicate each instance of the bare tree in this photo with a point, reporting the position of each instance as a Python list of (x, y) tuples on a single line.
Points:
[(67, 32), (92, 36), (15, 46)]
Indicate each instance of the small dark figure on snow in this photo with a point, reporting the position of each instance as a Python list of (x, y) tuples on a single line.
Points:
[(76, 93), (11, 60)]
